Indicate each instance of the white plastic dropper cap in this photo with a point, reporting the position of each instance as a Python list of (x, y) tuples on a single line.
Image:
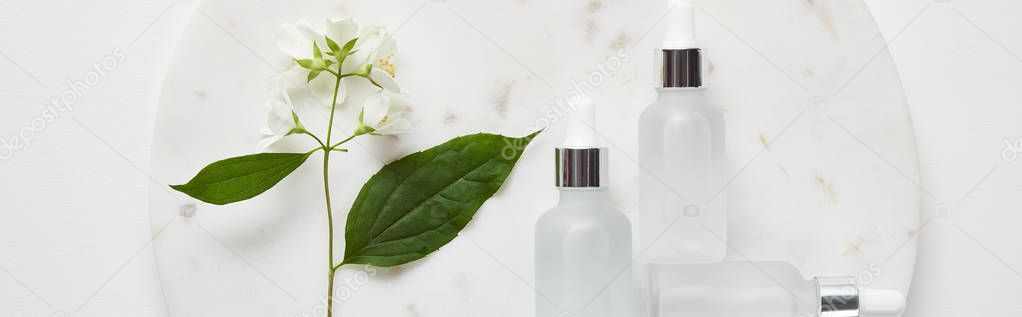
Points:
[(881, 303), (580, 126), (681, 26)]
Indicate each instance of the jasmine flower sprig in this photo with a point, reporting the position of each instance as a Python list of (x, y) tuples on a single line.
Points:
[(452, 180)]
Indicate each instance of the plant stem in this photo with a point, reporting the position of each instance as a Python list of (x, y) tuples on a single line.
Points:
[(330, 226), (321, 144), (326, 185), (329, 209), (342, 142)]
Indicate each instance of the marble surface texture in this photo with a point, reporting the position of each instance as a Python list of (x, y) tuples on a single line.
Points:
[(808, 89)]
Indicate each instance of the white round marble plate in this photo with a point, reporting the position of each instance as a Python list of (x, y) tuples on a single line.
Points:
[(820, 143)]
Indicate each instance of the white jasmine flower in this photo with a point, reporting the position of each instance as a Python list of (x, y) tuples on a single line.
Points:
[(368, 71), (297, 40), (382, 114), (281, 119), (376, 46)]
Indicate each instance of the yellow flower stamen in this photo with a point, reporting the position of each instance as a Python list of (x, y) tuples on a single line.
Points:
[(384, 63)]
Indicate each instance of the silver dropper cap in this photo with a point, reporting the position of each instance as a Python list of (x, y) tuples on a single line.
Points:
[(838, 297), (581, 168), (681, 68)]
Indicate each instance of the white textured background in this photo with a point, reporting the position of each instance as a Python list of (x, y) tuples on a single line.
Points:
[(74, 226)]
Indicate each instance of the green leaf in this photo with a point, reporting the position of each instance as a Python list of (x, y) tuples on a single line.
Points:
[(298, 122), (346, 50), (334, 48), (417, 204), (349, 46), (312, 75), (240, 178), (316, 53), (306, 63), (312, 64), (363, 71)]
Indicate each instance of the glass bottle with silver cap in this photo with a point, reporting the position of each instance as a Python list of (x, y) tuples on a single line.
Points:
[(682, 190), (583, 245), (682, 212)]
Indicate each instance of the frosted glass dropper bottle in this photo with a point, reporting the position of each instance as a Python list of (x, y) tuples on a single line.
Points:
[(682, 216), (583, 245), (771, 289)]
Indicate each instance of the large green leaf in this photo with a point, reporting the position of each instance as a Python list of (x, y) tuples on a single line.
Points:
[(417, 204), (240, 178)]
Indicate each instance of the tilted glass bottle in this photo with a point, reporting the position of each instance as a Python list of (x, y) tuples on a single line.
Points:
[(770, 289), (583, 245)]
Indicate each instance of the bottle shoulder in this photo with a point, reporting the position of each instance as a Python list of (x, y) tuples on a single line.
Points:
[(697, 103), (657, 115), (568, 215)]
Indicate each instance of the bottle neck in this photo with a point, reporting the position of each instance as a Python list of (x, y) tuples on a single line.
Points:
[(681, 96), (582, 195)]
